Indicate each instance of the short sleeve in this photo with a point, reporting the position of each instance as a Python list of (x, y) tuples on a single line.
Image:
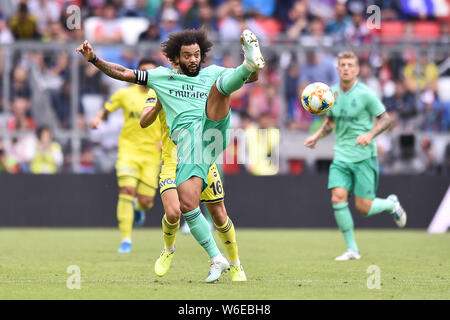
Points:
[(330, 112), (115, 102), (154, 75), (374, 104)]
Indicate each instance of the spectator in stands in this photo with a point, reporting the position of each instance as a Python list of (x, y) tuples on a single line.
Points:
[(231, 20), (55, 71), (55, 33), (23, 25), (297, 19), (170, 23), (108, 30), (402, 105), (151, 34), (323, 9), (20, 148), (135, 8), (366, 77), (48, 157), (7, 164), (153, 8), (338, 27), (6, 35), (282, 9), (291, 94), (315, 35), (357, 32), (264, 99), (430, 117), (317, 67), (20, 119), (46, 12), (263, 147), (201, 14), (20, 85), (428, 74)]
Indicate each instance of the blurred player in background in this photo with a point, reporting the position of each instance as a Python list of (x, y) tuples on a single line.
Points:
[(212, 197), (355, 164), (139, 155)]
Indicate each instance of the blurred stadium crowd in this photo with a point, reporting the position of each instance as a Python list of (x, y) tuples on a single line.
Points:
[(406, 61)]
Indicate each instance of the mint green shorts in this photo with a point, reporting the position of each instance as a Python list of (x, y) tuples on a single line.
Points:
[(198, 147), (360, 177)]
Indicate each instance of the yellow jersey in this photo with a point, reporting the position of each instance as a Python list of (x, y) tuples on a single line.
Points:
[(169, 150), (133, 139)]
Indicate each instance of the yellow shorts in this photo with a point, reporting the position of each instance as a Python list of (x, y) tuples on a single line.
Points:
[(213, 193), (138, 172)]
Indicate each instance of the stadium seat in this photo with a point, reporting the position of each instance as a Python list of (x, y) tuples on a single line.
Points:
[(392, 30), (426, 30)]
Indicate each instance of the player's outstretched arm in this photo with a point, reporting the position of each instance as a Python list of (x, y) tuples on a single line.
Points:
[(382, 123), (113, 70), (326, 128), (149, 114), (99, 118)]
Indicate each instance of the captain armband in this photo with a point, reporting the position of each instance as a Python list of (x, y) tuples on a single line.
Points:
[(141, 77)]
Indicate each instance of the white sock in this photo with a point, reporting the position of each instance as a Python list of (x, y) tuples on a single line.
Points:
[(235, 263), (171, 250)]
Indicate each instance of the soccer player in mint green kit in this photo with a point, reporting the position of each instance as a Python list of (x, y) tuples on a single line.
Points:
[(197, 105), (355, 164)]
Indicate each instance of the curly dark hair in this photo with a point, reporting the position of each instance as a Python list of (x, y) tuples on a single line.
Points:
[(172, 47)]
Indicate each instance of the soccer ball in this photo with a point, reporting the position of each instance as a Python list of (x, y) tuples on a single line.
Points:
[(317, 98)]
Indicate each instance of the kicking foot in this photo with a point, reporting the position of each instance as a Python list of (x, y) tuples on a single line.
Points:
[(254, 60), (218, 265), (399, 213)]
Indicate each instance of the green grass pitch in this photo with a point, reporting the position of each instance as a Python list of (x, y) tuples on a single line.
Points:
[(281, 264)]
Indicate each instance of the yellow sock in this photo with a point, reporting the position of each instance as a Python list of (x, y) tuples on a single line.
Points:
[(140, 207), (125, 215), (169, 232), (228, 236)]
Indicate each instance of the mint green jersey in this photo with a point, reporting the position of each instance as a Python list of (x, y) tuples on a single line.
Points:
[(183, 98), (353, 113)]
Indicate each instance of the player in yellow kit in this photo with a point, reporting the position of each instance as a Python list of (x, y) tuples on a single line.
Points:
[(212, 197), (139, 154)]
